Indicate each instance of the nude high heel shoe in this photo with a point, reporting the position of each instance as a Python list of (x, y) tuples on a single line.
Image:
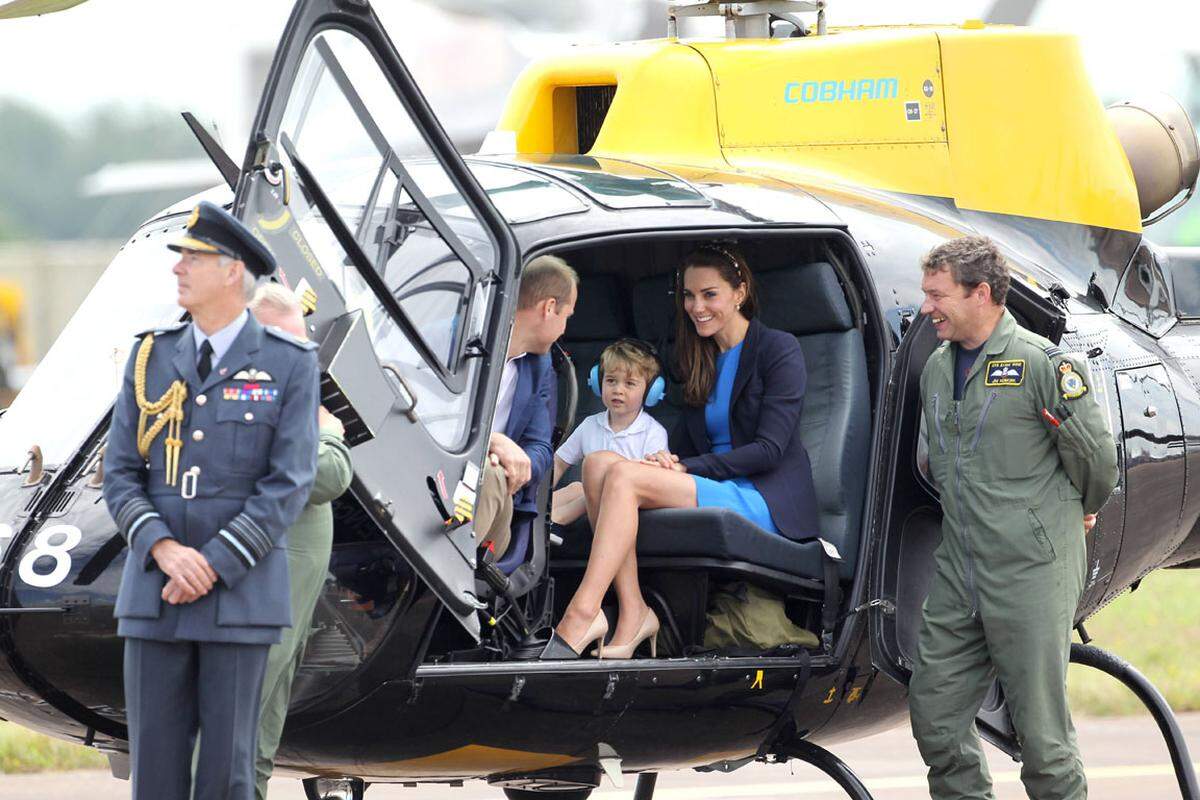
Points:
[(647, 630), (558, 648)]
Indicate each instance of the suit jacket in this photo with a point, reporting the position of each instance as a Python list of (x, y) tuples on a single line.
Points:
[(764, 417), (531, 423), (250, 452)]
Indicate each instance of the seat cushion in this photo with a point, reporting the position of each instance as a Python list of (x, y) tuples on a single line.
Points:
[(654, 309), (601, 311), (707, 533), (835, 426)]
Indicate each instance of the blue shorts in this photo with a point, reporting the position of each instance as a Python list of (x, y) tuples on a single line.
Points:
[(737, 495)]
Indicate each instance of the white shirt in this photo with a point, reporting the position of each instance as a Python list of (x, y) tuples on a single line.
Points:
[(222, 340), (644, 435), (504, 400)]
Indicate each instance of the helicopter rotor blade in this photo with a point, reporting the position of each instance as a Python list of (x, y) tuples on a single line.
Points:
[(31, 8)]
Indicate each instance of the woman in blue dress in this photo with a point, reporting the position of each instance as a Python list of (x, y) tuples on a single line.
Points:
[(736, 446)]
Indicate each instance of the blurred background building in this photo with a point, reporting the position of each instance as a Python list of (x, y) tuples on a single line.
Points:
[(91, 142)]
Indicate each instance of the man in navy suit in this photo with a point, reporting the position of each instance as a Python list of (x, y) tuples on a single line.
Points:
[(519, 453)]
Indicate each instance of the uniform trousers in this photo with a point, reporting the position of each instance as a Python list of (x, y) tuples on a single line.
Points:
[(173, 691)]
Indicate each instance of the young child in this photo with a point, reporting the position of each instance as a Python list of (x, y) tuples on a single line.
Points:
[(627, 378)]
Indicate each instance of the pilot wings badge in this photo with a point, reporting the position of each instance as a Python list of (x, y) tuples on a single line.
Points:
[(1004, 373), (252, 374)]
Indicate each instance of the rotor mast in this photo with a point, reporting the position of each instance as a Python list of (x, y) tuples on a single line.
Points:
[(749, 20)]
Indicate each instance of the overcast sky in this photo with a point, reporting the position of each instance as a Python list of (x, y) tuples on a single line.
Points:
[(195, 55)]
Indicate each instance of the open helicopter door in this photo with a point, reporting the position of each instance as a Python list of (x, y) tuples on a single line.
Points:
[(401, 259), (908, 529)]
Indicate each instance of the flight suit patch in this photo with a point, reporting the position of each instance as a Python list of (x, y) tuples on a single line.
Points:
[(1005, 373), (1070, 381)]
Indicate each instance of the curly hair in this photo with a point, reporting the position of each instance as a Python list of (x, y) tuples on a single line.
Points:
[(972, 260)]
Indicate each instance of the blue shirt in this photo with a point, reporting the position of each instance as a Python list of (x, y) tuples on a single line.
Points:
[(222, 339), (964, 360)]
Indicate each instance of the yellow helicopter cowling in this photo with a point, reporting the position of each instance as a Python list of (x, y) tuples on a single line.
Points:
[(664, 103), (999, 119)]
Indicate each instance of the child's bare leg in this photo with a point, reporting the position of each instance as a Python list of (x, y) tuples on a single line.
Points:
[(569, 504)]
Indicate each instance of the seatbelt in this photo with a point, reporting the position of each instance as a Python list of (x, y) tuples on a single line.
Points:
[(832, 604)]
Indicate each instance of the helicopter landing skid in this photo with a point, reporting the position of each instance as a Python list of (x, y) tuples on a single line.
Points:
[(828, 763), (1090, 656)]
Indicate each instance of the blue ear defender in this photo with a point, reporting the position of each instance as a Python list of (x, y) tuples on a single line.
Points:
[(654, 392)]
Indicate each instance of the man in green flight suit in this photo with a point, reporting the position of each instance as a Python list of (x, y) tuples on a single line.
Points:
[(310, 541), (1023, 458)]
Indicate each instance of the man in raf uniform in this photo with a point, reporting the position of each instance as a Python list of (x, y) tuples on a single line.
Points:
[(211, 455), (1023, 459)]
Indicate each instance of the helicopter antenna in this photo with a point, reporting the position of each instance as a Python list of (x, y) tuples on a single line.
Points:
[(749, 20)]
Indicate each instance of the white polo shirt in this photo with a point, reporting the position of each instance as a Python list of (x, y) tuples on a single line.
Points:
[(644, 435)]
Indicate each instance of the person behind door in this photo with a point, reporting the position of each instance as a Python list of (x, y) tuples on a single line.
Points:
[(309, 544), (1023, 459), (736, 446), (627, 379), (211, 454), (519, 451)]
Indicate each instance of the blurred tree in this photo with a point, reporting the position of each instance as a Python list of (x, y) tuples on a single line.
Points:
[(46, 160)]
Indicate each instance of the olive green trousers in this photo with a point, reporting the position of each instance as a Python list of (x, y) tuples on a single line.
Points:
[(1012, 620)]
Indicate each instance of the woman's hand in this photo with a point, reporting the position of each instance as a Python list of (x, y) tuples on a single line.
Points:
[(665, 460)]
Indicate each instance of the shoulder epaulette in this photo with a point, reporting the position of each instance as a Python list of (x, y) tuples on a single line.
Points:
[(163, 329), (1052, 351), (279, 333)]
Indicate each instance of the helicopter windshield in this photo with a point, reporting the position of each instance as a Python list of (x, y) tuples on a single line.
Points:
[(74, 385)]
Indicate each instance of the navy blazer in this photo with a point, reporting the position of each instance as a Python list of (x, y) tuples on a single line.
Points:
[(764, 417), (531, 423)]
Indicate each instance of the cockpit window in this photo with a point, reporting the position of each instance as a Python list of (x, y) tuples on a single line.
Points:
[(1143, 298), (348, 126), (76, 382)]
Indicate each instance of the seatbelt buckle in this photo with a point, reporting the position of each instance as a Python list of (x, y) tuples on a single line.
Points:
[(830, 550)]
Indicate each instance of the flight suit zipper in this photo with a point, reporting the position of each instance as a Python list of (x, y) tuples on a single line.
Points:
[(937, 419), (982, 418), (972, 592)]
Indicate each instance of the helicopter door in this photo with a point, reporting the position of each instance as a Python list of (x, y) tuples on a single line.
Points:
[(398, 254)]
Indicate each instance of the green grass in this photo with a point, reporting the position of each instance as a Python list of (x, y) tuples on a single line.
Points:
[(1157, 630), (23, 750)]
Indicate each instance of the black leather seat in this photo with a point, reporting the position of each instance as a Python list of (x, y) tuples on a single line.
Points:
[(808, 301)]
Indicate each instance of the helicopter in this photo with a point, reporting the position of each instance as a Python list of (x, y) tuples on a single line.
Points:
[(834, 158)]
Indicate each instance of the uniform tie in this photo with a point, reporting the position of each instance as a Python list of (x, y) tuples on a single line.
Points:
[(204, 365)]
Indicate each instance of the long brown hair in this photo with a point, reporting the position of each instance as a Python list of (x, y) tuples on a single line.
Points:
[(697, 355)]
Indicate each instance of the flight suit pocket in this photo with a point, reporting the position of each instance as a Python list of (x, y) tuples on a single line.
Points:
[(247, 430), (1039, 534)]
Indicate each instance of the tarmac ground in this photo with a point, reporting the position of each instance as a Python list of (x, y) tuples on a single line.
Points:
[(1125, 759)]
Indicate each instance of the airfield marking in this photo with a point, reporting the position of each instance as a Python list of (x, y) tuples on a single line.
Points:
[(827, 786)]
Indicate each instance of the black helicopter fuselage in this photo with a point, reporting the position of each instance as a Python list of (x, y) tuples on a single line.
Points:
[(380, 694)]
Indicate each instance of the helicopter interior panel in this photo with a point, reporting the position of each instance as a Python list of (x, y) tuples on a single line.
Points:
[(805, 298)]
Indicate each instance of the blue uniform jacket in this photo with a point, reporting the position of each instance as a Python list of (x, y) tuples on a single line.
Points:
[(764, 422), (250, 440), (531, 423)]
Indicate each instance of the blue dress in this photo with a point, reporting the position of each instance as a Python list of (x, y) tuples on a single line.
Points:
[(737, 494)]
